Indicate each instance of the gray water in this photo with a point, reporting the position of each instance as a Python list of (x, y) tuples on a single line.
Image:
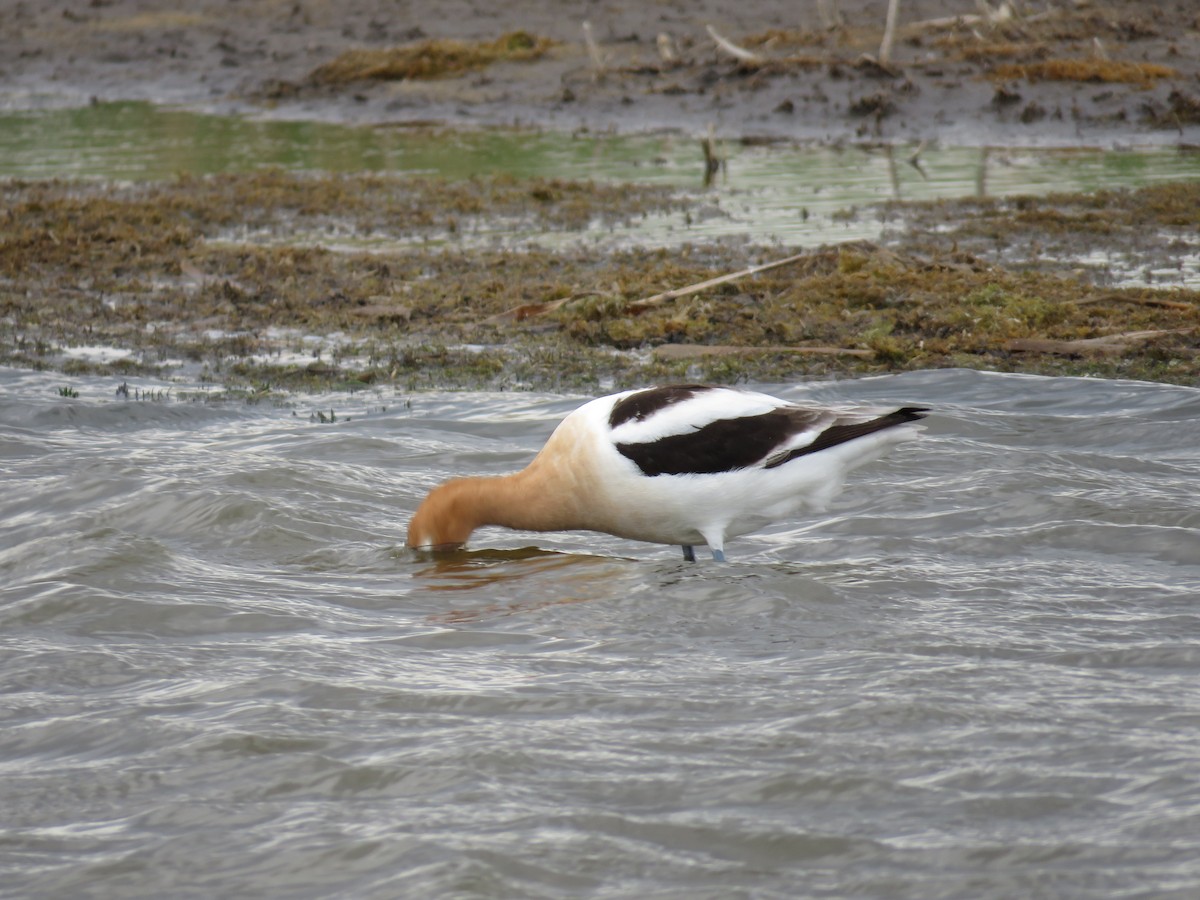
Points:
[(977, 676)]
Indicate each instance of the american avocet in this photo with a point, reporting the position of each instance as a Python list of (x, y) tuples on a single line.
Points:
[(681, 464)]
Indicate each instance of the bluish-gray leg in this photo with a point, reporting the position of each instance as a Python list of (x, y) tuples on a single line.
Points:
[(719, 555), (689, 554)]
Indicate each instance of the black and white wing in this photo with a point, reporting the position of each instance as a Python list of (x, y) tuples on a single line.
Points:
[(695, 429)]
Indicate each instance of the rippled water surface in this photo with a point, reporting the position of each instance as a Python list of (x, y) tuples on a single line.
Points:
[(977, 676)]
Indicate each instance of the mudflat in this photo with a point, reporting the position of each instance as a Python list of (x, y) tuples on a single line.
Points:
[(957, 71)]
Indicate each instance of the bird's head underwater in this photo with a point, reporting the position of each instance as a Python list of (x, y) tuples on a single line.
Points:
[(443, 521)]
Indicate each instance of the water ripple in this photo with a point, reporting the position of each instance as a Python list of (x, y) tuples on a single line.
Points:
[(222, 673)]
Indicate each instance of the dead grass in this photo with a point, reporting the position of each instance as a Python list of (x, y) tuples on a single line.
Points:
[(1093, 70), (137, 267), (152, 21), (990, 51), (438, 58)]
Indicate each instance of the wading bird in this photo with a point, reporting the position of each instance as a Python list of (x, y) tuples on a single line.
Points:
[(682, 464)]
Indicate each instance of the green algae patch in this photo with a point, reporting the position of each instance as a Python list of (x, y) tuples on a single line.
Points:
[(206, 278), (423, 60)]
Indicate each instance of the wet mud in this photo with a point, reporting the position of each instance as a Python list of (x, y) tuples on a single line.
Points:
[(1095, 72)]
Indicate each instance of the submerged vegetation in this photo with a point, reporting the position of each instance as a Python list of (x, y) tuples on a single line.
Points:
[(169, 274)]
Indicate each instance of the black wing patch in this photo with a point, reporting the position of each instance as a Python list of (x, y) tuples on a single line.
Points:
[(839, 434), (726, 445), (645, 403), (719, 446)]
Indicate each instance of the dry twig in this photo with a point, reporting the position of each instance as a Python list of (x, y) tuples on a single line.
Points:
[(639, 305), (593, 50), (889, 33), (668, 352), (731, 48), (1142, 301), (1108, 345)]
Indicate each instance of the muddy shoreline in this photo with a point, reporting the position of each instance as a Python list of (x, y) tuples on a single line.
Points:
[(950, 76)]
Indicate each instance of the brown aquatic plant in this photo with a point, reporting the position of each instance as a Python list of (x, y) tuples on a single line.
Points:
[(435, 58), (1099, 70)]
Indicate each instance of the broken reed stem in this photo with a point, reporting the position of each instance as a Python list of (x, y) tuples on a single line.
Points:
[(713, 160), (987, 16), (593, 50), (1141, 301), (1108, 345), (731, 48), (889, 32), (529, 310), (638, 305), (670, 352), (831, 16)]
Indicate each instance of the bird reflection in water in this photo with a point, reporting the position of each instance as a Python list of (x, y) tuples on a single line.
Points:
[(573, 578)]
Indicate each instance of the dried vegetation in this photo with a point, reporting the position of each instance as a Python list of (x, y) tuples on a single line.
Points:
[(438, 58), (162, 271), (1094, 70)]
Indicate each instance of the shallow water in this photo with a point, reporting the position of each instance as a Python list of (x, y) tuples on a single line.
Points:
[(798, 195), (977, 675)]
